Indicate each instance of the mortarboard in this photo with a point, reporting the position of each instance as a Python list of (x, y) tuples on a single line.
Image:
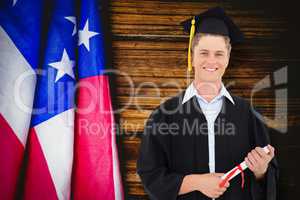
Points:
[(213, 21)]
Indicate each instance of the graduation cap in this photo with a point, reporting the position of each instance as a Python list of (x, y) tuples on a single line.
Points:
[(212, 21)]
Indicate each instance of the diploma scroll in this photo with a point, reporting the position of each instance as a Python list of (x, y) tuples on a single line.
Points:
[(236, 170)]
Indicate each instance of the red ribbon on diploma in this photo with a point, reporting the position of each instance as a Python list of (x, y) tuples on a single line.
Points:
[(227, 178)]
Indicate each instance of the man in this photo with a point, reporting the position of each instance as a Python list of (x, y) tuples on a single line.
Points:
[(192, 139)]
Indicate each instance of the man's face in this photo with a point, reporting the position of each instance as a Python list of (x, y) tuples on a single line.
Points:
[(210, 58)]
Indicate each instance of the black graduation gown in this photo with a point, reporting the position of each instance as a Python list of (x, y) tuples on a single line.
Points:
[(175, 144)]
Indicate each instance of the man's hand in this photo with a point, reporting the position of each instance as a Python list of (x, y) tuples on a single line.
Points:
[(258, 160), (208, 184)]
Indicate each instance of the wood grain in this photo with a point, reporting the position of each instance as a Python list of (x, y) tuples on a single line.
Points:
[(149, 55)]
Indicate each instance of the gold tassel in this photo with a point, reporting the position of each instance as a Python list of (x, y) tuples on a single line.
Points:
[(192, 32)]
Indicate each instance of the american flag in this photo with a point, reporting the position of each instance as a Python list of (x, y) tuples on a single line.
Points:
[(66, 157), (20, 28), (96, 160)]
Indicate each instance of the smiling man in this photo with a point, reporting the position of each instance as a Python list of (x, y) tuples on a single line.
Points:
[(192, 139)]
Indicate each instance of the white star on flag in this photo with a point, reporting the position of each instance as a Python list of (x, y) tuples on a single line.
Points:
[(64, 66), (14, 2), (85, 35), (73, 20)]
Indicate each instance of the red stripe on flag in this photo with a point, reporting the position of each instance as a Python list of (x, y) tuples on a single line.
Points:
[(11, 155), (38, 181), (93, 161)]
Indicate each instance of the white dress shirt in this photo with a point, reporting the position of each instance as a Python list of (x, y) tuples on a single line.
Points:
[(210, 110)]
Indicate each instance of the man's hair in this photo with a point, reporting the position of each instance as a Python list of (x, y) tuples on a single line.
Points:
[(198, 36)]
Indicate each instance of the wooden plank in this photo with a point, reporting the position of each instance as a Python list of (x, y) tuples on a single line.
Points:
[(160, 7), (282, 153), (151, 91), (147, 49), (134, 126), (180, 83), (155, 68), (181, 46), (144, 100), (136, 19), (150, 47)]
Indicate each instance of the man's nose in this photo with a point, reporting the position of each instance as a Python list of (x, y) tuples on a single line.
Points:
[(211, 60)]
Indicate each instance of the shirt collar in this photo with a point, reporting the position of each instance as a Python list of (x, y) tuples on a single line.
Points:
[(191, 92)]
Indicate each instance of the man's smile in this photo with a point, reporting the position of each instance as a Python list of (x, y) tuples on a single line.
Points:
[(210, 69)]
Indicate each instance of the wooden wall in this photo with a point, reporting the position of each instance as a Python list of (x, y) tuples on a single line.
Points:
[(149, 48)]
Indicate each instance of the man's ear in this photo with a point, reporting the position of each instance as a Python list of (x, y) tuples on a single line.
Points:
[(192, 58), (228, 59), (192, 62), (229, 53)]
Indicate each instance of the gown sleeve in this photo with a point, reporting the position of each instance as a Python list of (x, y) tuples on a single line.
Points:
[(266, 188), (159, 181)]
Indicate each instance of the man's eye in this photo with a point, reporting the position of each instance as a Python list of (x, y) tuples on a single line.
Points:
[(219, 54), (203, 53)]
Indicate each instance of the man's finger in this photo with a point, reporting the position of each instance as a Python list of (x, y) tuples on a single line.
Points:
[(260, 160), (262, 153), (272, 151), (219, 174), (215, 195), (252, 159), (249, 164), (227, 184), (256, 156), (220, 191)]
